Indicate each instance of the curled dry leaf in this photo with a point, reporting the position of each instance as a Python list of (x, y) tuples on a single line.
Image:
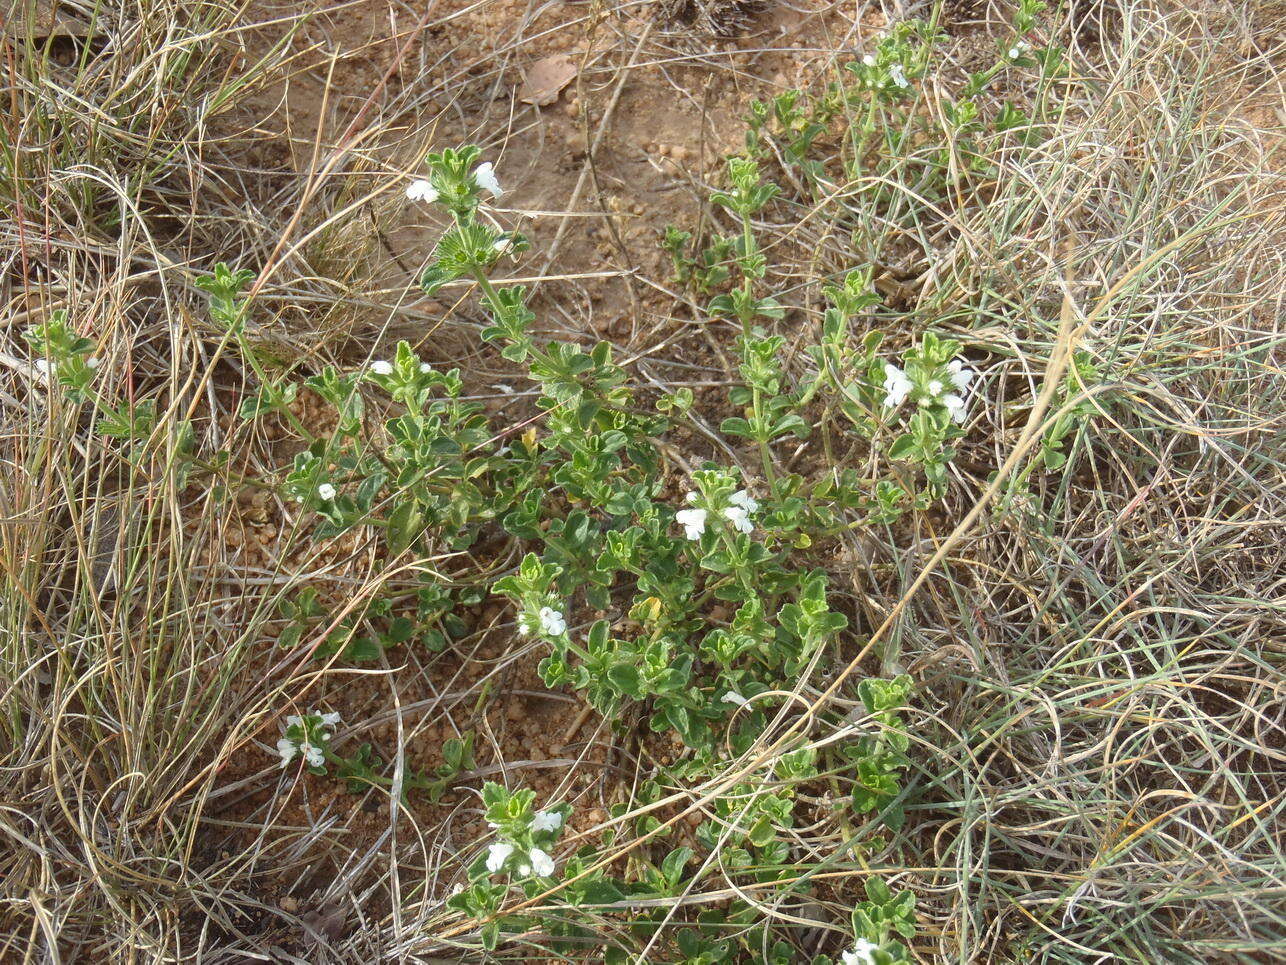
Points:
[(545, 80), (330, 922)]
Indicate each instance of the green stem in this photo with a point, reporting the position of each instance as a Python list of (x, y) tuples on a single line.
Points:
[(493, 299), (756, 394)]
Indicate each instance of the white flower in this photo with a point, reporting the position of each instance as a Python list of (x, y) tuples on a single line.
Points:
[(744, 500), (312, 754), (869, 60), (960, 376), (693, 522), (862, 953), (294, 720), (421, 190), (497, 855), (326, 491), (484, 176), (1014, 53), (546, 821), (502, 244), (541, 862), (286, 748), (425, 368), (899, 77), (382, 368), (935, 388), (524, 870), (896, 385), (93, 362), (692, 497), (457, 888), (523, 629), (956, 406), (732, 697), (739, 518), (331, 719), (552, 622), (44, 368)]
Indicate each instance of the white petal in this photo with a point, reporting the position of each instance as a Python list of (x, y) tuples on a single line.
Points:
[(382, 368), (552, 621), (960, 376), (732, 697), (744, 500), (862, 953), (286, 748), (546, 821), (896, 385), (484, 176), (497, 855), (421, 190), (541, 863), (739, 518), (693, 522)]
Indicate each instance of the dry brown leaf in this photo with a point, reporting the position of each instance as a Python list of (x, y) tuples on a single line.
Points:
[(329, 922), (545, 80)]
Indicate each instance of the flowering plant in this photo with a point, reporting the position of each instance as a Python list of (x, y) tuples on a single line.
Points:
[(715, 614), (308, 736), (689, 602)]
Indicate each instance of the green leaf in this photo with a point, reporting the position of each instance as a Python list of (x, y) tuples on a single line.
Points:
[(363, 650), (626, 679), (405, 523), (903, 447)]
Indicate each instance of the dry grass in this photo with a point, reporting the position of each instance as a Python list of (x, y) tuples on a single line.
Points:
[(1099, 718)]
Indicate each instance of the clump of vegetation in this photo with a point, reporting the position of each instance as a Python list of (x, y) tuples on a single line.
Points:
[(718, 612)]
